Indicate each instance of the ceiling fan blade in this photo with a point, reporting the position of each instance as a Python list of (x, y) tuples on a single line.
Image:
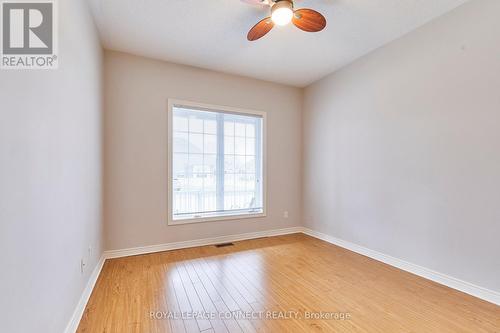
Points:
[(309, 20), (260, 29)]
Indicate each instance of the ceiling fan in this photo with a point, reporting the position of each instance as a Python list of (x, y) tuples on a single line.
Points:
[(282, 13)]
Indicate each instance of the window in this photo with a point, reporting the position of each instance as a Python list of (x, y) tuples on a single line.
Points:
[(216, 163)]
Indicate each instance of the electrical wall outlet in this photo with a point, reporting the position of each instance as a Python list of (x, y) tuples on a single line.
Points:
[(82, 265), (285, 214)]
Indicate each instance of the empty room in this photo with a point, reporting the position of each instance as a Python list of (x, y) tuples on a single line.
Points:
[(221, 166)]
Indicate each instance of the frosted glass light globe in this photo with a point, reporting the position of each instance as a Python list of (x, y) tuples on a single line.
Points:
[(282, 12)]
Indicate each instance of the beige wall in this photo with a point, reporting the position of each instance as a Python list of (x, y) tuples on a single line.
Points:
[(135, 148), (50, 180), (402, 148)]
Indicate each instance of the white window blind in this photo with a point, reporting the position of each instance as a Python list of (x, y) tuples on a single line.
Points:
[(217, 164)]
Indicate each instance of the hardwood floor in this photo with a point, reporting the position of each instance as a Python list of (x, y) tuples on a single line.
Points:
[(238, 289)]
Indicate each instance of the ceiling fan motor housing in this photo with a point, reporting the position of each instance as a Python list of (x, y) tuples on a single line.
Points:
[(281, 4)]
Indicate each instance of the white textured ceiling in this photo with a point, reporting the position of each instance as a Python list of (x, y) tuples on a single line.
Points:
[(212, 33)]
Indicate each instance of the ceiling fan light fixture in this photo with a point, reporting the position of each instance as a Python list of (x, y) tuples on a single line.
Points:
[(282, 12)]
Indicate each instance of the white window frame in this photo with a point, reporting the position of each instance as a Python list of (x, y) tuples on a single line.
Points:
[(212, 108)]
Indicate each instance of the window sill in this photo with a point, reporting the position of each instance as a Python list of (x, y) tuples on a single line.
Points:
[(216, 218)]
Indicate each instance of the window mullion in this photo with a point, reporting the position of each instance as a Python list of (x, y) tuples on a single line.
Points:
[(220, 163)]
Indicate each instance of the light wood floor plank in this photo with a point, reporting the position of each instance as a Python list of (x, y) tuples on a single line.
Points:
[(286, 273)]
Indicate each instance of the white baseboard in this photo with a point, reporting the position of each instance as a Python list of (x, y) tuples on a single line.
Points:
[(80, 308), (198, 242), (449, 281)]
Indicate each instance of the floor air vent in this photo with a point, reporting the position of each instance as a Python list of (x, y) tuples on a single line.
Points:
[(224, 245)]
